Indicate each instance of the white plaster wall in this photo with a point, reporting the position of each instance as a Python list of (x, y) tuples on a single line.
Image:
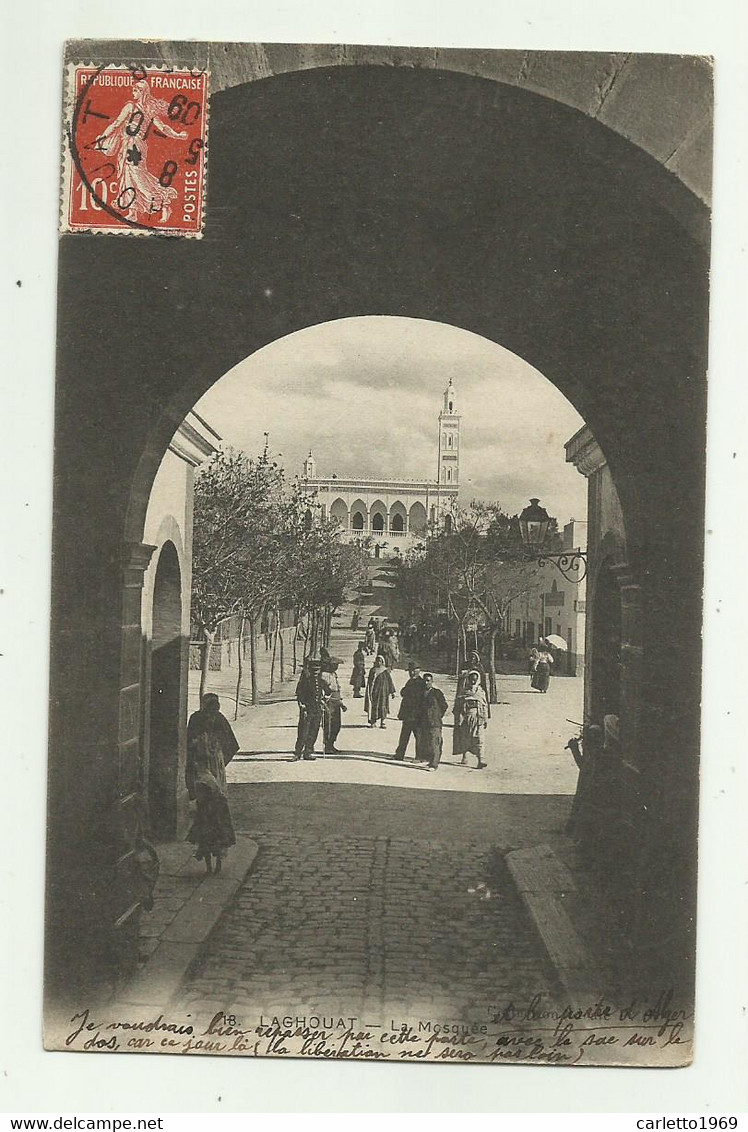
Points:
[(169, 516), (610, 515)]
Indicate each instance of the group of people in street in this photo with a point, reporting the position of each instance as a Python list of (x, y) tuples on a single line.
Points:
[(211, 743), (320, 701), (421, 712)]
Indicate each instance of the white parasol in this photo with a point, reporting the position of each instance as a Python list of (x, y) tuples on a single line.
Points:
[(556, 642)]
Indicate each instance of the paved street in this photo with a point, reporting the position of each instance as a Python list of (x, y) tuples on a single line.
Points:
[(379, 889), (370, 927), (525, 739)]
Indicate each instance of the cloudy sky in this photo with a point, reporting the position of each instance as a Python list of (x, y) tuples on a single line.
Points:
[(365, 393)]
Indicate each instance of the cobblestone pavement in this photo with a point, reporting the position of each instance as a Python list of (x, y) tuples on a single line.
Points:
[(375, 928)]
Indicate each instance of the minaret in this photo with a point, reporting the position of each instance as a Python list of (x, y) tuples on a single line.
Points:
[(310, 467), (449, 439)]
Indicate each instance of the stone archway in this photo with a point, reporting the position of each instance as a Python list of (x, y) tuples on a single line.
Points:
[(594, 238), (161, 784), (398, 518), (378, 517), (359, 516)]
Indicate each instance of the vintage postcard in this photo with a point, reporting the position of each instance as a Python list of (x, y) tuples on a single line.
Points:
[(378, 542)]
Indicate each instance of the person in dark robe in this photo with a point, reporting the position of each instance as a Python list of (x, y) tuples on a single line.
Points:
[(332, 704), (471, 717), (211, 745), (355, 619), (410, 709), (429, 727), (309, 699), (379, 689), (358, 675)]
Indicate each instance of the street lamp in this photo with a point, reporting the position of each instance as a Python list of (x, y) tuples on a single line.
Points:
[(533, 524)]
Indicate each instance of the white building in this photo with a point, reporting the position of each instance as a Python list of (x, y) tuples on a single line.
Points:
[(165, 627), (396, 512), (555, 605)]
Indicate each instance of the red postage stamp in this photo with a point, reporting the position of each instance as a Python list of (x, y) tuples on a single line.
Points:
[(135, 150)]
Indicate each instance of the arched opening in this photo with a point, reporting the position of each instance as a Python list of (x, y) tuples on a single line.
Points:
[(398, 517), (163, 752), (339, 512), (448, 523), (377, 522), (417, 519), (358, 521), (565, 300)]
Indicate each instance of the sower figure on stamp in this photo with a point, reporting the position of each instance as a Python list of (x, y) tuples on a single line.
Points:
[(410, 709), (309, 699), (141, 188), (332, 704), (429, 727), (211, 745)]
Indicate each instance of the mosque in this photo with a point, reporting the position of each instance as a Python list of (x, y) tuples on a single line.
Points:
[(395, 512)]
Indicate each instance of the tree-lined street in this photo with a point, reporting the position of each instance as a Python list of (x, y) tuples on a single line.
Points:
[(525, 738), (380, 889)]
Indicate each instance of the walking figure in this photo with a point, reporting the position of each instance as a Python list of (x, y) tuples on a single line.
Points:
[(379, 689), (542, 675), (211, 745), (410, 709), (471, 717), (476, 665), (388, 648), (429, 727), (358, 675), (309, 699), (332, 704)]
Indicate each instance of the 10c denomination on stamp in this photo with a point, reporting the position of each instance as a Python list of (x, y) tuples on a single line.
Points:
[(135, 150)]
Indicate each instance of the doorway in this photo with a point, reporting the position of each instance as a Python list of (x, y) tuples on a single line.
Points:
[(163, 752)]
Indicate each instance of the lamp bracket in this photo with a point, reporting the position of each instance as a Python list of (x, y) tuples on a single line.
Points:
[(572, 564)]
